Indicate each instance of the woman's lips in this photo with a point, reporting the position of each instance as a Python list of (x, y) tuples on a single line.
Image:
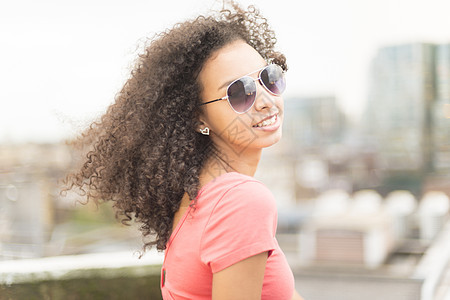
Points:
[(270, 123)]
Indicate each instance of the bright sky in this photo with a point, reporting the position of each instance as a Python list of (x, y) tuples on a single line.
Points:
[(61, 62)]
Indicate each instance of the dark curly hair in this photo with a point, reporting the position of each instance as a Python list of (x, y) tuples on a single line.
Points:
[(145, 152)]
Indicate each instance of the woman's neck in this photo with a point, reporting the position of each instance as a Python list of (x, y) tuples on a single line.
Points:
[(245, 163)]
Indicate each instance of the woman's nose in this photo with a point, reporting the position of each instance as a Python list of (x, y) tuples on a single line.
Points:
[(264, 100)]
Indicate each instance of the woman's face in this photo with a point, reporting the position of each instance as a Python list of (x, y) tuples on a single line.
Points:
[(228, 129)]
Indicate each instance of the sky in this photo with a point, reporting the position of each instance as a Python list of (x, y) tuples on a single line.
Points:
[(62, 62)]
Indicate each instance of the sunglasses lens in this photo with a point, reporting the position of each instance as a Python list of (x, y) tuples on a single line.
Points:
[(242, 94), (272, 78)]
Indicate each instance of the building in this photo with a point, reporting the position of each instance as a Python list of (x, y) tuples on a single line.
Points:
[(297, 167), (400, 100), (28, 193), (312, 122), (441, 112)]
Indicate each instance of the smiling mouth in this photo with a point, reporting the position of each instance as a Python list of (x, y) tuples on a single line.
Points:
[(267, 122)]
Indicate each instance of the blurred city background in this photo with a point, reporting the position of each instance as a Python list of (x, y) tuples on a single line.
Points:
[(362, 178)]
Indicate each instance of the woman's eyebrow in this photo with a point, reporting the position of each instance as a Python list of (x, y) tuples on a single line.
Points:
[(227, 83)]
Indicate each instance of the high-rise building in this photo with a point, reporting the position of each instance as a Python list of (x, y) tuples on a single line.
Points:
[(297, 166), (312, 122), (441, 113), (400, 102)]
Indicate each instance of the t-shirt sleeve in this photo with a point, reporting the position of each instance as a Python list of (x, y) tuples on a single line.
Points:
[(242, 224)]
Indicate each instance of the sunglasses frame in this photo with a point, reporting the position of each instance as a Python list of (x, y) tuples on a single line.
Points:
[(254, 79)]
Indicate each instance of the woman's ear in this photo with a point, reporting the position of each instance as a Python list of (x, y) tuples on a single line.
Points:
[(202, 126)]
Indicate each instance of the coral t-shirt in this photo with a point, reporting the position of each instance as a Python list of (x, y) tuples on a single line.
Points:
[(235, 217)]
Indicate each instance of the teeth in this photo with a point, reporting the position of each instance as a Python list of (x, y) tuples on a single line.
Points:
[(267, 122)]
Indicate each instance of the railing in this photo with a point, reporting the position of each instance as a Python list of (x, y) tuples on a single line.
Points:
[(89, 276)]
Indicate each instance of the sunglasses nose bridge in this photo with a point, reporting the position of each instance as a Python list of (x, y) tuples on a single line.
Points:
[(259, 86)]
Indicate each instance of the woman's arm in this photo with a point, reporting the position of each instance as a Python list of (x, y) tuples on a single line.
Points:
[(242, 280), (296, 296)]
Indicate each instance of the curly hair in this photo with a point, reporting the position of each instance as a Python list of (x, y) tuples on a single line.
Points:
[(145, 152)]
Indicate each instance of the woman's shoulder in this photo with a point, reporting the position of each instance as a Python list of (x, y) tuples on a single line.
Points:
[(234, 181), (240, 222), (245, 183), (238, 189)]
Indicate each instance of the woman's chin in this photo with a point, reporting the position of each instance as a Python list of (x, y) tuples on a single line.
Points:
[(268, 141)]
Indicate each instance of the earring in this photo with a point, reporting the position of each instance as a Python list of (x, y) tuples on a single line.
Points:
[(204, 131)]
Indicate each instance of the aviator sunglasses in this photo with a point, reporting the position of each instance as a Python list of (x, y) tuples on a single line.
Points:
[(241, 93)]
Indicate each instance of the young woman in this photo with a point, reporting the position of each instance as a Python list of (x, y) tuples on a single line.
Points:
[(178, 149)]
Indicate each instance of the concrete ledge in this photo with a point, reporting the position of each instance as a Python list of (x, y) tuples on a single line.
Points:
[(89, 276)]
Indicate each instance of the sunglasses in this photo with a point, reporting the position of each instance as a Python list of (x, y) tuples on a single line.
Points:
[(241, 93)]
